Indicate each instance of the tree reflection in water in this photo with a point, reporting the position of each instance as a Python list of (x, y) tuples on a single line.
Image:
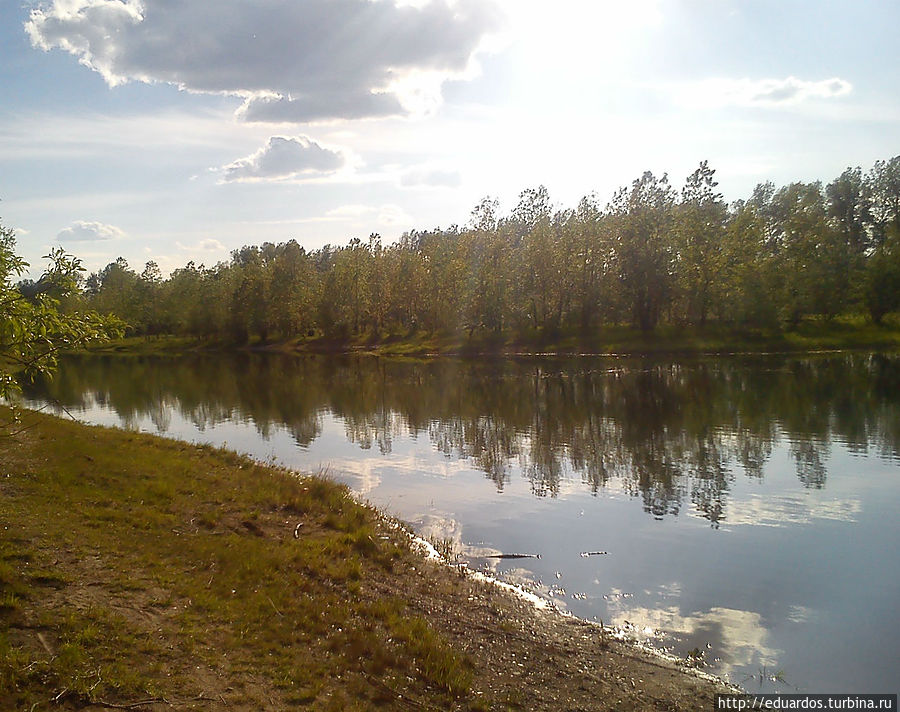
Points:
[(670, 434)]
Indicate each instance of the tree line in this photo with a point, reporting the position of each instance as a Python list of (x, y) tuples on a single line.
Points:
[(653, 254)]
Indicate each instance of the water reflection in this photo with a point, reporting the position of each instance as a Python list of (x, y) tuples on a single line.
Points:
[(780, 510), (748, 506), (673, 435), (741, 636)]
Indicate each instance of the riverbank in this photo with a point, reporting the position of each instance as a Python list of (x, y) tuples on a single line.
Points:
[(144, 573), (842, 334)]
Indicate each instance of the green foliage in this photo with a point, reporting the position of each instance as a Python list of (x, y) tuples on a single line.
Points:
[(881, 283), (701, 241), (33, 327), (652, 257), (644, 250)]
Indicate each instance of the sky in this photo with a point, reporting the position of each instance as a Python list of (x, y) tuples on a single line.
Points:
[(172, 131)]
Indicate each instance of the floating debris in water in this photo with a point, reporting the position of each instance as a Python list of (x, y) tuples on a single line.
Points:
[(513, 556), (586, 554)]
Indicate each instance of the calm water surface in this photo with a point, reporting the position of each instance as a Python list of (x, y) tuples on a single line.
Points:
[(748, 508)]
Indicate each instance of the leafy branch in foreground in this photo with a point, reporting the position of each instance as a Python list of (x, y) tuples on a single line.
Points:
[(33, 327)]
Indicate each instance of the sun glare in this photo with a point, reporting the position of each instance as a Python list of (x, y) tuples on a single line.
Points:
[(570, 28)]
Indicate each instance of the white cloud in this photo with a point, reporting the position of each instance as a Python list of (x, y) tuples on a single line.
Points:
[(351, 212), (431, 178), (761, 92), (291, 60), (206, 245), (285, 157), (383, 215), (790, 509), (83, 231), (394, 216), (210, 244)]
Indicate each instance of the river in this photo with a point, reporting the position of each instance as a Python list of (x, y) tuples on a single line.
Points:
[(741, 512)]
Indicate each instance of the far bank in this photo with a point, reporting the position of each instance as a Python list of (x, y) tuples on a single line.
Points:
[(841, 334)]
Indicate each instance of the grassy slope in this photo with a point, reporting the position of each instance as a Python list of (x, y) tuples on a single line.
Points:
[(143, 573), (185, 557)]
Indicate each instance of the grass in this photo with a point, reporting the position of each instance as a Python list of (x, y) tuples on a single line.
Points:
[(843, 333), (134, 568), (148, 345)]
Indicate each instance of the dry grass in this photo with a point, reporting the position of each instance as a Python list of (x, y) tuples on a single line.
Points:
[(127, 563)]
